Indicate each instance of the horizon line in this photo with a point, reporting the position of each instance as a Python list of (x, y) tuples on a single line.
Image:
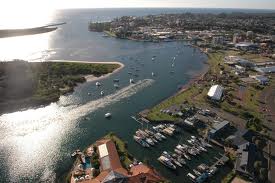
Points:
[(272, 9)]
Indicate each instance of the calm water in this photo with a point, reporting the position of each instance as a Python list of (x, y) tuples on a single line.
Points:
[(36, 144)]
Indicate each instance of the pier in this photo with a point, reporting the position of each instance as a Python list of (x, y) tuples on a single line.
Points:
[(220, 161)]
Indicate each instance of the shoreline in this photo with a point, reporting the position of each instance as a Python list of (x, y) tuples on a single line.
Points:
[(29, 103), (197, 77), (90, 77)]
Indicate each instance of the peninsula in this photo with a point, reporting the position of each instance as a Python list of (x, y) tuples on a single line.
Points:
[(28, 31), (31, 84)]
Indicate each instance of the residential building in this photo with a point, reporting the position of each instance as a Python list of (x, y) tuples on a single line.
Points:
[(245, 159), (111, 169), (217, 129)]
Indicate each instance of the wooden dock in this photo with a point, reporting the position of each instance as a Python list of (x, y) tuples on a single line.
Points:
[(220, 161)]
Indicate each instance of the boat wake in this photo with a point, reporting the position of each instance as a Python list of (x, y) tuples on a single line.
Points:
[(128, 91), (32, 138)]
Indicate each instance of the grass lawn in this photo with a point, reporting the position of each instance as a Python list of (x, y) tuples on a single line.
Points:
[(196, 93)]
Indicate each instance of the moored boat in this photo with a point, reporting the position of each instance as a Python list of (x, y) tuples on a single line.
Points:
[(165, 161), (140, 141)]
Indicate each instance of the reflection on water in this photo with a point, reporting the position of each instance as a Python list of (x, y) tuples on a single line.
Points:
[(36, 144), (32, 47), (35, 135)]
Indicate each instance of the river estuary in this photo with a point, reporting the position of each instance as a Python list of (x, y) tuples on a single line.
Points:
[(36, 144)]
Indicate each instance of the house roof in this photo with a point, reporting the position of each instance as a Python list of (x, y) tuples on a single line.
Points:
[(143, 173), (111, 161), (215, 92), (246, 158), (114, 177)]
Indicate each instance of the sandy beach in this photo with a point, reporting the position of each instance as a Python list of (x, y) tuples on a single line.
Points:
[(90, 78)]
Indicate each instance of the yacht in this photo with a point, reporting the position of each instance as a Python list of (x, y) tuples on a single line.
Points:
[(140, 141), (165, 161), (149, 141)]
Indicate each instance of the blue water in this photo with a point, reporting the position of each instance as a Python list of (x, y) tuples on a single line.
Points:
[(36, 144)]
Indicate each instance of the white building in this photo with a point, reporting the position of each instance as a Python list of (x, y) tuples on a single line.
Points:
[(215, 92)]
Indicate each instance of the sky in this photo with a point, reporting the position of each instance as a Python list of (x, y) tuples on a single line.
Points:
[(64, 4), (21, 12)]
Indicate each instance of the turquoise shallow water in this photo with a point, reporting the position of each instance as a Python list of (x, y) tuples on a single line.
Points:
[(37, 143)]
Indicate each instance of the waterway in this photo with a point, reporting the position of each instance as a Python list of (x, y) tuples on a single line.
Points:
[(36, 144)]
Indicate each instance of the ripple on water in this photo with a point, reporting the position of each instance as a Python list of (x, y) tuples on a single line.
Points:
[(33, 138)]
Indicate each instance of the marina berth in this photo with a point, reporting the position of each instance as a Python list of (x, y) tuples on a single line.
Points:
[(165, 161)]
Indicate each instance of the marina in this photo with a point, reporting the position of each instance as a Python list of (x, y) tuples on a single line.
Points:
[(182, 156), (78, 119)]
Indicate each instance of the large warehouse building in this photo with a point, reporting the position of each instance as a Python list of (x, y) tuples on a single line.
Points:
[(215, 92)]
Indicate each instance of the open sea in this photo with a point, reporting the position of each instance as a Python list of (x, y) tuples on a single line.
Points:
[(36, 144)]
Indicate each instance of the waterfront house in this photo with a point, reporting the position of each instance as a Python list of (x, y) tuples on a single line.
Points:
[(246, 155), (111, 169), (218, 128)]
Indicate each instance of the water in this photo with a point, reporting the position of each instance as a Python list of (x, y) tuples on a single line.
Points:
[(36, 144)]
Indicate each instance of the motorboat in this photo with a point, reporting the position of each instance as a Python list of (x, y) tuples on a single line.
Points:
[(98, 84), (116, 85), (132, 81), (149, 141), (108, 115), (162, 136), (140, 141), (165, 161), (102, 93)]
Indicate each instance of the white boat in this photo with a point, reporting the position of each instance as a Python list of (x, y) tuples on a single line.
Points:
[(153, 74), (98, 84), (116, 85), (150, 141), (167, 162), (191, 176), (131, 81), (102, 93), (140, 141), (162, 136), (108, 115)]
